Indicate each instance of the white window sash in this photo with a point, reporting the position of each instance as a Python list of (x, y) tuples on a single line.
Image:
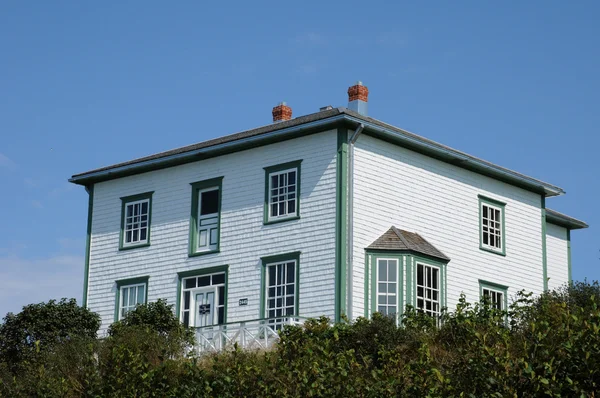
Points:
[(140, 228), (396, 294), (270, 196), (496, 291), (489, 227), (208, 225), (125, 297), (425, 286), (284, 289)]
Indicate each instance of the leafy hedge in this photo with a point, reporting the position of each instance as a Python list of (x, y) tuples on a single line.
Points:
[(547, 346)]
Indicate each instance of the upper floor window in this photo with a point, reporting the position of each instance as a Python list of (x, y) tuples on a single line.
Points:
[(130, 293), (282, 192), (491, 225), (135, 220), (205, 217)]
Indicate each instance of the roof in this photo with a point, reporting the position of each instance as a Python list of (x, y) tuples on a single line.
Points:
[(304, 125), (556, 218), (395, 239)]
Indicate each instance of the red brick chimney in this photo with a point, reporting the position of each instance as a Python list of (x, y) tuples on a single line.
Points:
[(282, 112), (358, 98)]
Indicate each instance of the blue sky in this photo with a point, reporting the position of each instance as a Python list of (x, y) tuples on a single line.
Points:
[(86, 84)]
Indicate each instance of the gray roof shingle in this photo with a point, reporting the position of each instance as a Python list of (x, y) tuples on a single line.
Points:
[(395, 239)]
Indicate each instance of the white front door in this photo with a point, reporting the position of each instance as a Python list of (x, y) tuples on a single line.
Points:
[(204, 306)]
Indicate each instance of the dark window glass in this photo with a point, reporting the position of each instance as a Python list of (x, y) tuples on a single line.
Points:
[(221, 295), (186, 300), (190, 283), (218, 279), (204, 281), (209, 202), (186, 318), (221, 315)]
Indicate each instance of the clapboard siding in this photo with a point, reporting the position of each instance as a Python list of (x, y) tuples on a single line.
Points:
[(396, 186), (244, 238), (558, 255)]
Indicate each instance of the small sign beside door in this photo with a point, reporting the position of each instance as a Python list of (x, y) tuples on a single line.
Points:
[(243, 301), (204, 309)]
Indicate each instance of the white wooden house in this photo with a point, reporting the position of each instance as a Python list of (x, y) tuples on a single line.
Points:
[(325, 214)]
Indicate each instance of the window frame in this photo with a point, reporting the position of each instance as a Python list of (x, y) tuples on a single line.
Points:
[(132, 199), (279, 169), (411, 272), (373, 258), (276, 259), (495, 287), (197, 187), (125, 283), (494, 204), (220, 269)]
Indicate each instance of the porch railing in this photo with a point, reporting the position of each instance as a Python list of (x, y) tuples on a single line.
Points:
[(253, 334)]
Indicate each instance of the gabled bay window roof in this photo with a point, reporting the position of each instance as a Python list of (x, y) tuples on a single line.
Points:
[(398, 240)]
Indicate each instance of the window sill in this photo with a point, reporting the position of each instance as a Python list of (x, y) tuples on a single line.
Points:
[(198, 254), (121, 248), (485, 249), (280, 220)]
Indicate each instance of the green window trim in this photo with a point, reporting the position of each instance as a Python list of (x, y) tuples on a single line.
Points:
[(193, 233), (134, 198), (407, 263), (295, 256), (127, 282), (200, 272), (569, 262), (274, 169), (483, 284), (502, 206)]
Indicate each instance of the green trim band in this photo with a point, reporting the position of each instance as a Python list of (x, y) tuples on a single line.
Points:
[(279, 258), (193, 233), (219, 269), (544, 250), (569, 256), (127, 282), (501, 205), (88, 244), (494, 286), (133, 198), (341, 221), (296, 164)]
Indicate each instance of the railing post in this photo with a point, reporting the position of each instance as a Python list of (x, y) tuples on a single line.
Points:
[(243, 334)]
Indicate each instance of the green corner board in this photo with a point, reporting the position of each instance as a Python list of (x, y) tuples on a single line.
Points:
[(341, 220), (88, 243), (544, 249)]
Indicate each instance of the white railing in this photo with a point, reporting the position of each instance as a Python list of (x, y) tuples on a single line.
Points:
[(253, 334)]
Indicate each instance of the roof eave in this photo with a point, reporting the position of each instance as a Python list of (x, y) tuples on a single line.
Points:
[(562, 220)]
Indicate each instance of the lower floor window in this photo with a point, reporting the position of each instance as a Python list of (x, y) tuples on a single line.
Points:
[(203, 300), (494, 294), (428, 289), (280, 297), (130, 293), (387, 286)]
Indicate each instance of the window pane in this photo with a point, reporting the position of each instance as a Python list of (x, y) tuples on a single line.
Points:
[(291, 207), (131, 296), (143, 234), (382, 270), (382, 310), (218, 279), (125, 296), (141, 296), (392, 270), (420, 274), (274, 182), (382, 288), (381, 299), (186, 301), (209, 202), (204, 281), (145, 208), (221, 290), (186, 318), (190, 283), (290, 273), (221, 315)]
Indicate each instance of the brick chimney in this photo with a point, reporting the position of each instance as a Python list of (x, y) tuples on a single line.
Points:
[(358, 97), (282, 112)]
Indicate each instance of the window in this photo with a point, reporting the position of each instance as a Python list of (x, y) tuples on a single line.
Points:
[(491, 225), (496, 294), (135, 220), (130, 293), (428, 289), (205, 217), (280, 294), (282, 192), (387, 286), (203, 297)]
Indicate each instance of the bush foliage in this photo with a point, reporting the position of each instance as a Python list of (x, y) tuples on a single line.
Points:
[(543, 346)]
